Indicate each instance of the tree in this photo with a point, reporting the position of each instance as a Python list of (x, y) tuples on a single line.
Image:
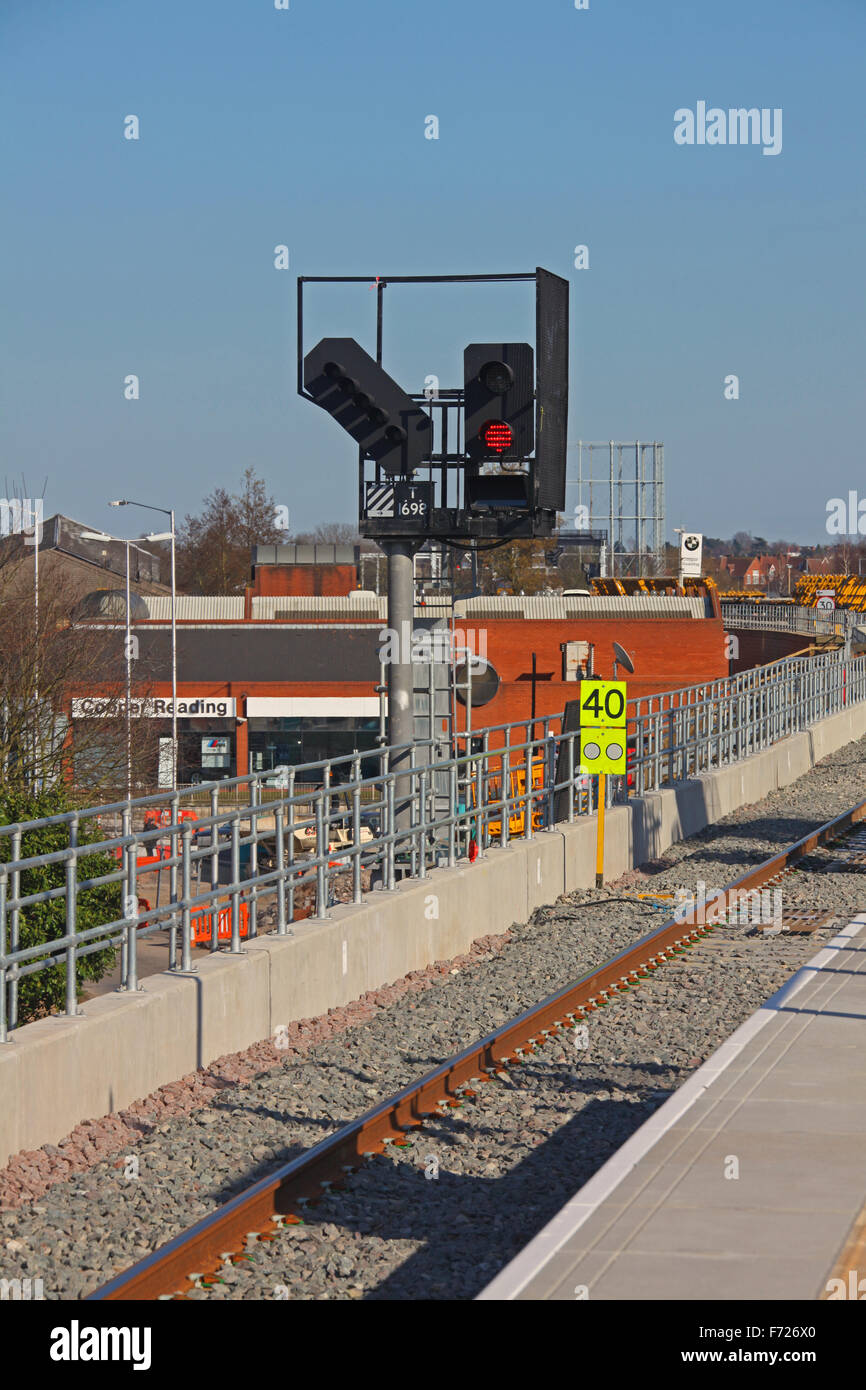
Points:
[(45, 990), (520, 567), (572, 573), (213, 549), (45, 662), (330, 533)]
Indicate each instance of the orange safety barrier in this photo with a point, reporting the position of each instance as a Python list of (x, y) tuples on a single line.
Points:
[(160, 852), (156, 816), (201, 923)]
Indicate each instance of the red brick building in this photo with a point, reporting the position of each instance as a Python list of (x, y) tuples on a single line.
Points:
[(266, 680)]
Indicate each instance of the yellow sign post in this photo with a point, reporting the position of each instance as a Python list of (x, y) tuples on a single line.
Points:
[(602, 744)]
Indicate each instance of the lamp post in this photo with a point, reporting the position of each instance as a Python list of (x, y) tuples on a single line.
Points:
[(104, 536), (679, 531), (169, 512)]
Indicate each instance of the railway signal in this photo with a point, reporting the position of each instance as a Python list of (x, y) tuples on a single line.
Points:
[(391, 429), (499, 402), (511, 413)]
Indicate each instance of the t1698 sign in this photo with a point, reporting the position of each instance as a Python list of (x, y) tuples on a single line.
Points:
[(396, 501)]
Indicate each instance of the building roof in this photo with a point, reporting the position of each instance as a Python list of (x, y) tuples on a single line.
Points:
[(321, 553), (556, 606), (62, 534), (363, 606)]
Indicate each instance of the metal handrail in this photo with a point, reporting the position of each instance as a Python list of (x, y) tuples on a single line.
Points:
[(673, 735), (787, 617)]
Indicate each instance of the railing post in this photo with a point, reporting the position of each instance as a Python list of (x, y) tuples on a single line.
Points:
[(186, 890), (671, 745), (481, 793), (71, 916), (452, 822), (214, 860), (422, 823), (15, 885), (290, 846), (235, 891), (128, 856), (255, 806), (132, 930), (279, 838), (4, 1027), (356, 830), (527, 763), (322, 852), (550, 770), (172, 881), (410, 840), (389, 819)]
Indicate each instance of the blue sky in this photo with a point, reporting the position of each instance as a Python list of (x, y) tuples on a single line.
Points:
[(305, 127)]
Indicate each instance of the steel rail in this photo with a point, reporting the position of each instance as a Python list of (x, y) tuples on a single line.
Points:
[(200, 1249)]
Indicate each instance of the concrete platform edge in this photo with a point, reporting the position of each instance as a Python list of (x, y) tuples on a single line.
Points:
[(512, 1280)]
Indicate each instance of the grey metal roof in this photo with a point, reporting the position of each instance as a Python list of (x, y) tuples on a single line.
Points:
[(364, 605), (200, 607), (322, 553), (554, 606), (291, 606)]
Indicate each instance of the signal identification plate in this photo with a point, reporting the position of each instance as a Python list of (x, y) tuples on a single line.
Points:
[(399, 501)]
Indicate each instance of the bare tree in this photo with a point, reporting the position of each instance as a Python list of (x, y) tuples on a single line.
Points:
[(330, 533), (213, 549), (46, 661)]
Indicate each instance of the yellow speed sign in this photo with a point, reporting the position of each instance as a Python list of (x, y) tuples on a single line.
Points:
[(603, 705)]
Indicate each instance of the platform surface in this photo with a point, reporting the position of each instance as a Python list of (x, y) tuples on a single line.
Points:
[(748, 1182)]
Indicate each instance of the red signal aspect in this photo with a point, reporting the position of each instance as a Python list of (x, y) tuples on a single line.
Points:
[(497, 436)]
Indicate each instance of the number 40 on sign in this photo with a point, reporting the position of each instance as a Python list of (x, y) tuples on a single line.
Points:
[(602, 726)]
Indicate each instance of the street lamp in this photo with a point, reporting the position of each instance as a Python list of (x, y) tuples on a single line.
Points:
[(104, 536), (169, 512), (680, 531)]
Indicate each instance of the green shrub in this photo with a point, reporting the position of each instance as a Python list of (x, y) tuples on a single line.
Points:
[(45, 991)]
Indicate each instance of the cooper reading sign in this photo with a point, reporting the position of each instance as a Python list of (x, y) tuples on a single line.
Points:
[(103, 707)]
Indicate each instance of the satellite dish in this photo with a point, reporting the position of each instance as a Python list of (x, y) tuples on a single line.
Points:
[(485, 681), (622, 657)]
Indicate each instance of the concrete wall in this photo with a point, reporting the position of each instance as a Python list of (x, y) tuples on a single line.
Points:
[(60, 1070)]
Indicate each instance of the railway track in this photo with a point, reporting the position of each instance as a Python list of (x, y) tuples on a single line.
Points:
[(194, 1258)]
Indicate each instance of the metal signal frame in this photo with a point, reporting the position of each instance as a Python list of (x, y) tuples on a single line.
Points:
[(447, 469)]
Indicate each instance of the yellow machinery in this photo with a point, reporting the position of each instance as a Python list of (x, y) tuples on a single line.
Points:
[(516, 790)]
